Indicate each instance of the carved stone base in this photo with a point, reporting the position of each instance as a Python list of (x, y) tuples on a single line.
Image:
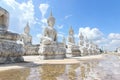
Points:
[(84, 51), (7, 35), (60, 56), (10, 52), (73, 52), (52, 52), (9, 60), (31, 50)]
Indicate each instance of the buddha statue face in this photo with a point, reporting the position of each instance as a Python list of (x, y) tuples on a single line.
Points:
[(51, 23), (81, 36), (71, 32), (26, 30)]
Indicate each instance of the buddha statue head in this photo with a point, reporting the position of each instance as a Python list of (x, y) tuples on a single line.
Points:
[(71, 32), (51, 20), (71, 36), (81, 36), (86, 39), (27, 29)]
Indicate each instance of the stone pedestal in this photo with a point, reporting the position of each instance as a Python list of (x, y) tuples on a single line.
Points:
[(31, 50), (73, 51), (84, 51), (10, 51), (26, 40), (55, 51)]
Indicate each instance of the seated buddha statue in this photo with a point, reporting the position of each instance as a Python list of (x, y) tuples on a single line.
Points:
[(81, 42), (71, 41), (26, 38), (72, 48), (50, 34)]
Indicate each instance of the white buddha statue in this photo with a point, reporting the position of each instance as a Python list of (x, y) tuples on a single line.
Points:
[(50, 34), (64, 41), (26, 38), (94, 48), (72, 49), (87, 42), (82, 45), (49, 47), (81, 42), (71, 41)]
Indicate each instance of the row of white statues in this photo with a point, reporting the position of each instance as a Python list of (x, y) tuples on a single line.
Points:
[(85, 46), (13, 46), (88, 47), (51, 48)]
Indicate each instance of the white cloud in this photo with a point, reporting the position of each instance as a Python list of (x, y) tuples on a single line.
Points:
[(60, 26), (43, 23), (114, 36), (38, 35), (60, 36), (110, 42), (20, 13), (44, 20), (91, 33), (102, 41), (76, 35), (112, 45), (43, 9), (115, 43), (36, 38), (68, 16)]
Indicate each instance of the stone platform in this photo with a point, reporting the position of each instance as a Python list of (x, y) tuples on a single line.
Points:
[(10, 52), (31, 50), (52, 51), (7, 35), (73, 52)]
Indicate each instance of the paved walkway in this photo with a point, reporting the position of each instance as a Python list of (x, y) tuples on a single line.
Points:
[(35, 61), (34, 74)]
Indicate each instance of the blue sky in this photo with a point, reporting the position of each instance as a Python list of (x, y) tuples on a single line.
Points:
[(99, 20)]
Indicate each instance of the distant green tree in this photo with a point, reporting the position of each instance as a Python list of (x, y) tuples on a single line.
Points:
[(115, 50), (101, 51)]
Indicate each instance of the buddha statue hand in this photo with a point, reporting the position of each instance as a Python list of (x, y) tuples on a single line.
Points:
[(47, 41)]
